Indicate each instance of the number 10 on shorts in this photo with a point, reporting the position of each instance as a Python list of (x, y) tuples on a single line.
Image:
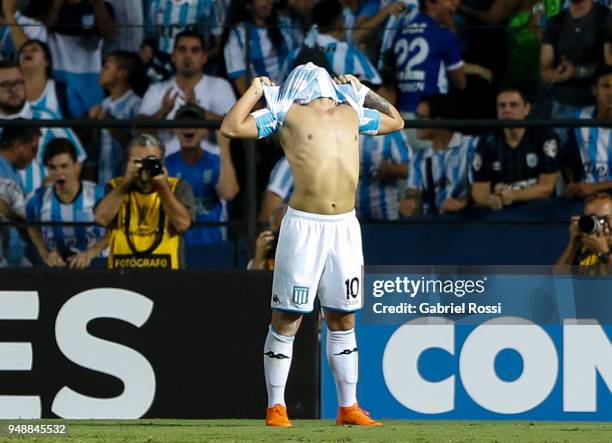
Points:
[(352, 287)]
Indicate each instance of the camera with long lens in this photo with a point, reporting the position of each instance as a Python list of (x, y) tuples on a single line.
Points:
[(152, 165), (592, 224)]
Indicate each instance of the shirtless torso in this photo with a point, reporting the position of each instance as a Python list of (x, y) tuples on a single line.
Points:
[(320, 141)]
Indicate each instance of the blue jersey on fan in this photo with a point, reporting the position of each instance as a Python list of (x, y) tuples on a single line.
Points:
[(166, 18), (203, 178), (377, 199), (595, 148), (111, 161), (45, 206), (421, 52), (450, 171), (265, 59)]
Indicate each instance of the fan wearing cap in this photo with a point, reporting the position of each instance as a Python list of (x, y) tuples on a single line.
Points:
[(319, 244), (208, 168)]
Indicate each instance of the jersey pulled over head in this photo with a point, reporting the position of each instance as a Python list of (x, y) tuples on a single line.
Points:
[(306, 83)]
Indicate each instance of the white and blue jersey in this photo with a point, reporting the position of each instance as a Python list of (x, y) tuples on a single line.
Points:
[(77, 61), (450, 171), (203, 178), (267, 124), (111, 161), (32, 177), (49, 100), (421, 53), (293, 28), (367, 8), (167, 18), (595, 148), (343, 58), (281, 180), (265, 59), (34, 29), (46, 207), (378, 199)]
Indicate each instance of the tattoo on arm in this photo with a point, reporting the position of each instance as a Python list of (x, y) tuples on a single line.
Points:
[(375, 101)]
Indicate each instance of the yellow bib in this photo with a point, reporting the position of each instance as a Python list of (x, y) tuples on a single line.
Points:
[(142, 236)]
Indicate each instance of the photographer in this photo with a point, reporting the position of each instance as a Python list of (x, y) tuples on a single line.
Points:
[(146, 210), (590, 235), (265, 246)]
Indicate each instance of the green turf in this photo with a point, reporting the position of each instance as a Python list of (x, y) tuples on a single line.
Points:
[(326, 431)]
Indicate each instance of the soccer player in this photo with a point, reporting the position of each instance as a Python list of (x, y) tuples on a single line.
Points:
[(66, 200), (514, 164), (119, 76), (438, 178), (13, 105), (592, 147), (319, 246), (209, 170)]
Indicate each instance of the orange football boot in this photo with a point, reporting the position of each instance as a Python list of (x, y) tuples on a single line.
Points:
[(354, 415), (277, 416)]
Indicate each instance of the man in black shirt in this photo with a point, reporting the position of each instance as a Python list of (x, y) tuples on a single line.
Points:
[(574, 43), (516, 164)]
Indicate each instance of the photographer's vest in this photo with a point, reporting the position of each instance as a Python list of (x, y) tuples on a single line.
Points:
[(142, 237)]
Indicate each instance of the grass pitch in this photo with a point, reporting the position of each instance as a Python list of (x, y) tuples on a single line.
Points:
[(322, 431)]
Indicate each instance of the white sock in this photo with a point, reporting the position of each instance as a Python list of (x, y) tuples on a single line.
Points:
[(278, 351), (344, 359)]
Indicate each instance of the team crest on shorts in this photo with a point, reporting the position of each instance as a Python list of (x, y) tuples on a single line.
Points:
[(300, 295)]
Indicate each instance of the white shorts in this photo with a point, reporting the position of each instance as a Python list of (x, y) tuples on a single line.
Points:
[(318, 255)]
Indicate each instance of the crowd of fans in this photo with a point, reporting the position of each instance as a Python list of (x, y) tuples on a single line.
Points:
[(169, 59)]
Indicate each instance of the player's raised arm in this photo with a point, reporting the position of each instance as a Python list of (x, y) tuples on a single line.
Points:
[(390, 118), (238, 123)]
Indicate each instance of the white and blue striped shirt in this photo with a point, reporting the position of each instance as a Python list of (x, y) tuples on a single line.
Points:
[(77, 61), (50, 100), (32, 177), (450, 169), (595, 147), (112, 159), (266, 60), (166, 18), (378, 199), (281, 180), (32, 28), (45, 206), (343, 58)]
